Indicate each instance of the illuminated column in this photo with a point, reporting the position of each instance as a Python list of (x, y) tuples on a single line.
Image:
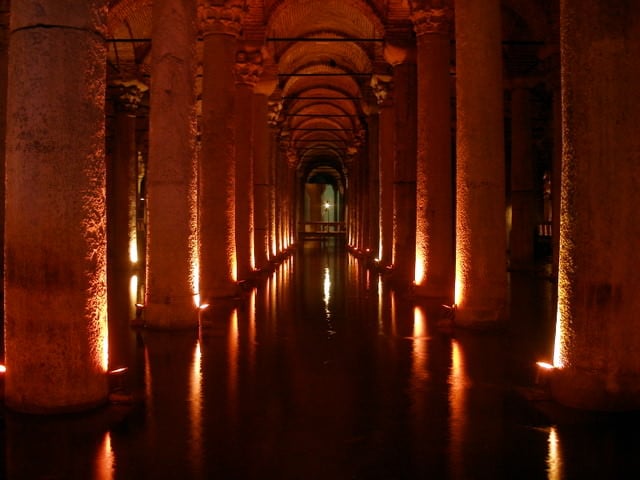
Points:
[(598, 346), (4, 63), (481, 278), (248, 68), (261, 160), (404, 182), (122, 248), (523, 200), (171, 279), (122, 175), (381, 86), (275, 107), (55, 240), (372, 209), (435, 244), (218, 272)]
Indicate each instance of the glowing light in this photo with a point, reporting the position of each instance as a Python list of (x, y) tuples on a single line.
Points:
[(558, 361), (118, 371), (133, 249), (419, 270), (203, 306), (3, 369), (554, 457), (457, 295), (545, 365), (133, 290)]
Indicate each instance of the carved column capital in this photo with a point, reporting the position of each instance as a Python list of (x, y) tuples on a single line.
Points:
[(248, 67), (222, 19), (129, 95), (273, 114), (381, 86), (292, 157), (435, 21)]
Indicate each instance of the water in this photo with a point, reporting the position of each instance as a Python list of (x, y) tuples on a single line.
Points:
[(322, 372)]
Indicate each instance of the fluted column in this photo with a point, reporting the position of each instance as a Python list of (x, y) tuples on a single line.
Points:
[(55, 234), (523, 199), (481, 277), (218, 267), (435, 244), (382, 87), (247, 70), (171, 280), (597, 344)]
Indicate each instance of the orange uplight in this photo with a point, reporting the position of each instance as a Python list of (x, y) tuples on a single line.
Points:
[(545, 365), (419, 271), (554, 456)]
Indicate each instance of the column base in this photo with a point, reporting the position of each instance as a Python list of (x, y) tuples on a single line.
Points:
[(594, 391), (171, 316), (434, 293), (21, 406), (480, 317)]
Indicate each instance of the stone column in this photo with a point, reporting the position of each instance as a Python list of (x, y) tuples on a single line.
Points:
[(373, 160), (55, 234), (523, 199), (218, 268), (382, 86), (171, 279), (597, 346), (275, 106), (4, 63), (481, 277), (122, 176), (261, 161), (435, 244), (404, 183), (122, 248), (248, 68)]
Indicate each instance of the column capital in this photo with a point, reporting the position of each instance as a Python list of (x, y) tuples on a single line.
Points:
[(381, 86), (248, 67), (434, 21), (225, 19), (129, 94), (273, 114)]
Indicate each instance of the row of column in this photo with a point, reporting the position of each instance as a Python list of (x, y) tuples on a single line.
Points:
[(596, 357), (61, 192)]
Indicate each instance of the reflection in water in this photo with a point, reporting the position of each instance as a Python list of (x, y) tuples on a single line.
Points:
[(554, 457), (457, 394), (104, 459), (195, 408), (419, 340), (254, 397)]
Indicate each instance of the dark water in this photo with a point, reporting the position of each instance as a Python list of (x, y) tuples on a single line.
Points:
[(323, 373)]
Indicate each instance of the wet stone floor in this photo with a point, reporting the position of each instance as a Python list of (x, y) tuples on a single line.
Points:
[(323, 372)]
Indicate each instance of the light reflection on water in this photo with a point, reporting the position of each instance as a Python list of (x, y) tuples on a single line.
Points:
[(261, 391)]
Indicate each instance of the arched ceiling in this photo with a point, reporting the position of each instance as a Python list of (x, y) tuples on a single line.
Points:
[(323, 54)]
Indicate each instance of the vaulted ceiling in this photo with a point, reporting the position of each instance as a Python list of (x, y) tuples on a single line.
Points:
[(324, 55)]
